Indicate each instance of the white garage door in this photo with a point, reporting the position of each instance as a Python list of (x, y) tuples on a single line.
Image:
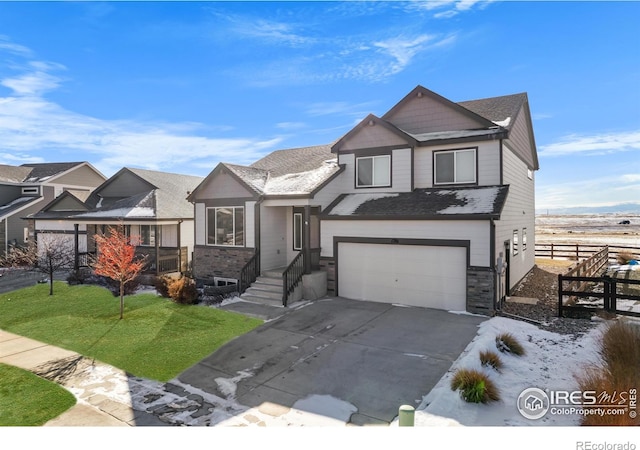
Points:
[(426, 276)]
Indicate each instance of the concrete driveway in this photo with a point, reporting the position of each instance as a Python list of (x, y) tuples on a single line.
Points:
[(374, 356)]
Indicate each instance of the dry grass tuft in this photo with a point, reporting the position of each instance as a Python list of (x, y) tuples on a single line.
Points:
[(507, 343), (618, 373), (474, 386), (491, 359)]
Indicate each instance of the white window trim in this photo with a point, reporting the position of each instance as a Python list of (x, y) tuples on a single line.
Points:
[(30, 190), (524, 239), (373, 171), (299, 229), (475, 166), (227, 281), (215, 215), (515, 243)]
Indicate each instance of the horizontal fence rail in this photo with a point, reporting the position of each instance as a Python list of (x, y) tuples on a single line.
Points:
[(610, 290), (577, 252)]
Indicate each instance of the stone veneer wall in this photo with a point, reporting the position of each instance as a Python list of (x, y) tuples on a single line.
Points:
[(329, 265), (480, 290), (210, 262)]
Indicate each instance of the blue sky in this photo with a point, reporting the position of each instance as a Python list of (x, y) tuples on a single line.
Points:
[(181, 86)]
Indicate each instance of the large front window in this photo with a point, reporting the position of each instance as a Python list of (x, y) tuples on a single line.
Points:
[(455, 166), (225, 226), (373, 171)]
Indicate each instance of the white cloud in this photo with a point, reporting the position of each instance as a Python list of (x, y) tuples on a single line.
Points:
[(597, 144), (30, 125), (451, 7), (16, 49), (403, 50)]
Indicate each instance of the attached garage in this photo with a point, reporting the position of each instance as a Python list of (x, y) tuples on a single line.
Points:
[(431, 276)]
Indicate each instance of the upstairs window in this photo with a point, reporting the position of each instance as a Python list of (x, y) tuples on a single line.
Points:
[(455, 166), (373, 171), (225, 226)]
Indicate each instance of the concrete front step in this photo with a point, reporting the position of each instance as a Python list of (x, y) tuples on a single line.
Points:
[(262, 300), (257, 292), (270, 280)]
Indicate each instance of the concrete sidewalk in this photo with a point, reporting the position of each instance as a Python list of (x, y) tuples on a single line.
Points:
[(73, 372)]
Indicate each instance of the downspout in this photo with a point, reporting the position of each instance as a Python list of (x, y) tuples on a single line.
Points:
[(492, 255), (180, 247), (306, 234)]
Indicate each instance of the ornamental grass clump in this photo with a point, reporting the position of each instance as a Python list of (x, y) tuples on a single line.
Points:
[(474, 386), (507, 343), (617, 376), (491, 359)]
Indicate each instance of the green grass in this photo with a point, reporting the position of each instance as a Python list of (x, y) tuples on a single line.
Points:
[(28, 400), (157, 338)]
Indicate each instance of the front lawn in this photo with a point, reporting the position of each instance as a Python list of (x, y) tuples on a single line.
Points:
[(157, 338), (28, 400)]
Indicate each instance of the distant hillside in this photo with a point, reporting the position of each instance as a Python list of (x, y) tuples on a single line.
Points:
[(622, 208)]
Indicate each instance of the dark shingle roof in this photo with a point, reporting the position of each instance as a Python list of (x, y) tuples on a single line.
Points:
[(480, 201), (497, 109), (46, 170)]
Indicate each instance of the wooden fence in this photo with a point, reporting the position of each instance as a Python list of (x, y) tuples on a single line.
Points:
[(610, 290), (576, 252), (589, 280)]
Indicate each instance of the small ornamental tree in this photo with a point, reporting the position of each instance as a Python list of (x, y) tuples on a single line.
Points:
[(117, 259), (52, 253)]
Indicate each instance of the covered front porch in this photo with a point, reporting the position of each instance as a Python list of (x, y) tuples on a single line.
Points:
[(159, 243)]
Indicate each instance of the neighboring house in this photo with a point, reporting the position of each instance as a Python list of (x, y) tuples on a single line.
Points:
[(151, 205), (430, 205), (25, 189)]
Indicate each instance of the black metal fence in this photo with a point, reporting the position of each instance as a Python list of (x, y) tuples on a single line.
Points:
[(608, 289)]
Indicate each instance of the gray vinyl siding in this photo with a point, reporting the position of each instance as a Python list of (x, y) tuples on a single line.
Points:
[(333, 189), (372, 137), (200, 224), (518, 213), (9, 193), (520, 140), (488, 160), (80, 176), (476, 231), (126, 185), (15, 223), (426, 115), (273, 239), (223, 185)]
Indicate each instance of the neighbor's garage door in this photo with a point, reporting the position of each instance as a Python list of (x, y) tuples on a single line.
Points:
[(427, 276)]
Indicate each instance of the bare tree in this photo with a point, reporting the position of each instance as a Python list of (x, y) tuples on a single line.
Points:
[(52, 253)]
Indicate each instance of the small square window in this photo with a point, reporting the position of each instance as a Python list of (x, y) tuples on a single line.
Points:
[(373, 171), (455, 166)]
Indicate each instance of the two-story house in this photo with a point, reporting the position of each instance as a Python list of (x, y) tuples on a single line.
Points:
[(430, 205), (25, 189)]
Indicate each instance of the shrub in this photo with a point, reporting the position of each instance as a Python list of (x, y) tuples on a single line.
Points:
[(162, 285), (507, 343), (618, 372), (183, 290), (474, 386), (491, 359), (79, 276)]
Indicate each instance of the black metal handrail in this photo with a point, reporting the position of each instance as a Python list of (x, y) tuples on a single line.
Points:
[(292, 276), (249, 273)]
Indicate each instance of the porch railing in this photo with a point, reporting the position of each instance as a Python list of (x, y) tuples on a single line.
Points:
[(249, 273), (292, 276)]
